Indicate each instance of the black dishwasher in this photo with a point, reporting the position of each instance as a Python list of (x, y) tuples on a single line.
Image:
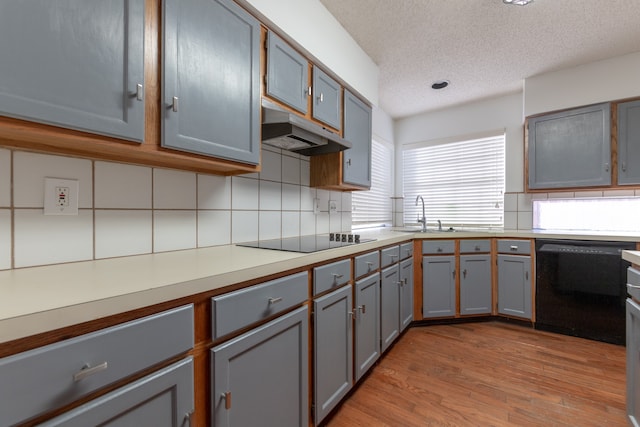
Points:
[(581, 288)]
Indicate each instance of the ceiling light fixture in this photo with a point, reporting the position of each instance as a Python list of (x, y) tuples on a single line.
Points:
[(440, 84), (517, 2)]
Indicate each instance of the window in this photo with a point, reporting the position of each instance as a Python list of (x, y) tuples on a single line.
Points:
[(461, 182), (373, 207), (597, 214)]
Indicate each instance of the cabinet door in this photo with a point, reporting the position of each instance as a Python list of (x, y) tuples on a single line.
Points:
[(211, 80), (475, 284), (514, 285), (357, 130), (326, 98), (261, 377), (333, 350), (74, 63), (287, 74), (164, 398), (389, 306), (438, 286), (633, 362), (406, 293), (629, 143), (570, 148), (367, 321)]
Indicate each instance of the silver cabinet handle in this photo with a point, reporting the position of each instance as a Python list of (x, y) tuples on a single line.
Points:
[(400, 282), (309, 91), (464, 273), (439, 249), (629, 285), (174, 104), (88, 370), (188, 418), (526, 275), (321, 97), (362, 308), (227, 399), (352, 314), (624, 166), (513, 247), (454, 273), (349, 162), (477, 248), (606, 167), (139, 92), (337, 276), (275, 300)]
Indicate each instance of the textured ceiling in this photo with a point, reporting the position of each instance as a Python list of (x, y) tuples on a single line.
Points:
[(484, 47)]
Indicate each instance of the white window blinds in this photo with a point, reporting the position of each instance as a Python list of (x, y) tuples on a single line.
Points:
[(462, 182), (373, 207)]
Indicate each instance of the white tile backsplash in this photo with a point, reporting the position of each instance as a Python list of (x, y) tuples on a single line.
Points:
[(524, 202), (307, 223), (323, 199), (525, 220), (30, 170), (291, 170), (322, 223), (290, 197), (619, 193), (123, 232), (290, 224), (307, 194), (45, 239), (270, 196), (245, 193), (174, 189), (214, 228), (271, 166), (5, 239), (305, 171), (121, 186), (5, 178), (174, 230), (270, 225), (511, 202), (347, 200), (346, 221), (244, 226), (214, 192)]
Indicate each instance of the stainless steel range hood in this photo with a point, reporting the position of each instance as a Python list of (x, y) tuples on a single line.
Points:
[(283, 129)]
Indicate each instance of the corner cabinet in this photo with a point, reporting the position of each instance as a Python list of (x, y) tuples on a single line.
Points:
[(514, 278), (629, 143), (76, 65), (570, 149), (438, 278), (211, 80)]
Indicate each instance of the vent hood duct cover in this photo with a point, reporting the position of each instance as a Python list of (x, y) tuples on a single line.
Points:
[(283, 129)]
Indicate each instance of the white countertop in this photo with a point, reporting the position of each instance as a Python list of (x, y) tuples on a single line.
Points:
[(632, 256), (40, 299)]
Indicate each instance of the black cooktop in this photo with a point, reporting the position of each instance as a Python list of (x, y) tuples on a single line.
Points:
[(308, 244)]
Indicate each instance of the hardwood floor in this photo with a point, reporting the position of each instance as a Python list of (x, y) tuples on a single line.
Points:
[(490, 374)]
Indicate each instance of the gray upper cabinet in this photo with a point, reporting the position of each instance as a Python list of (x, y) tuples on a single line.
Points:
[(629, 143), (570, 148), (357, 130), (514, 285), (211, 80), (76, 64), (287, 74), (333, 350), (326, 98), (261, 377), (367, 324), (162, 399), (438, 286)]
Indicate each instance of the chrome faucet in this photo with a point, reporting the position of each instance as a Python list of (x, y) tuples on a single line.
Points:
[(422, 220)]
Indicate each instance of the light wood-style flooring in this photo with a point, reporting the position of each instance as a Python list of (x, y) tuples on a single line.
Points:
[(490, 374)]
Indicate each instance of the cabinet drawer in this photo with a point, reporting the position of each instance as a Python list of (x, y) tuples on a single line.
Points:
[(514, 247), (406, 250), (48, 377), (331, 276), (438, 246), (235, 310), (367, 263), (472, 246), (389, 256), (633, 283)]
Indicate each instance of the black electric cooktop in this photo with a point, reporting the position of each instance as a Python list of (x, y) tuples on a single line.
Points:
[(308, 244)]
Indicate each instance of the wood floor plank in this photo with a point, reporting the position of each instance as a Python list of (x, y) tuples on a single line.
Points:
[(490, 374)]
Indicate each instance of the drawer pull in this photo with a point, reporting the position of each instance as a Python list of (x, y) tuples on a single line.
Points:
[(87, 370), (513, 247), (394, 256), (439, 249), (337, 276), (477, 248), (275, 300), (227, 400), (188, 419)]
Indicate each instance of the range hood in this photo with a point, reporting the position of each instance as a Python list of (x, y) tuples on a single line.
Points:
[(283, 129)]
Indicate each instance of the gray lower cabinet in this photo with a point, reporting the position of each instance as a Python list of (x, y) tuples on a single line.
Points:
[(389, 306), (367, 324), (406, 293), (475, 284), (287, 78), (76, 64), (629, 143), (333, 351), (357, 130), (164, 398), (438, 286), (261, 377), (326, 98), (570, 148), (633, 362), (211, 80), (514, 285)]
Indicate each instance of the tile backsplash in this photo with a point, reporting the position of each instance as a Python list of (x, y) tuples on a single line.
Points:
[(130, 210)]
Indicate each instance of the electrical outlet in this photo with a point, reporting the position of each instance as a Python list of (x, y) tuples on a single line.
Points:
[(333, 207), (60, 196)]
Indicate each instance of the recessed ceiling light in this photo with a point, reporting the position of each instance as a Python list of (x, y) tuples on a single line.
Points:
[(440, 84), (517, 2)]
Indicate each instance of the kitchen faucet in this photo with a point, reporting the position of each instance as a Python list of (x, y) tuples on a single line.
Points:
[(422, 220)]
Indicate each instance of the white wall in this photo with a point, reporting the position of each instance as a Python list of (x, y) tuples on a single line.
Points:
[(308, 24), (467, 120), (611, 79)]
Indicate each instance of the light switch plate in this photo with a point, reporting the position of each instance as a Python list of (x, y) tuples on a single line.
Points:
[(60, 196)]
